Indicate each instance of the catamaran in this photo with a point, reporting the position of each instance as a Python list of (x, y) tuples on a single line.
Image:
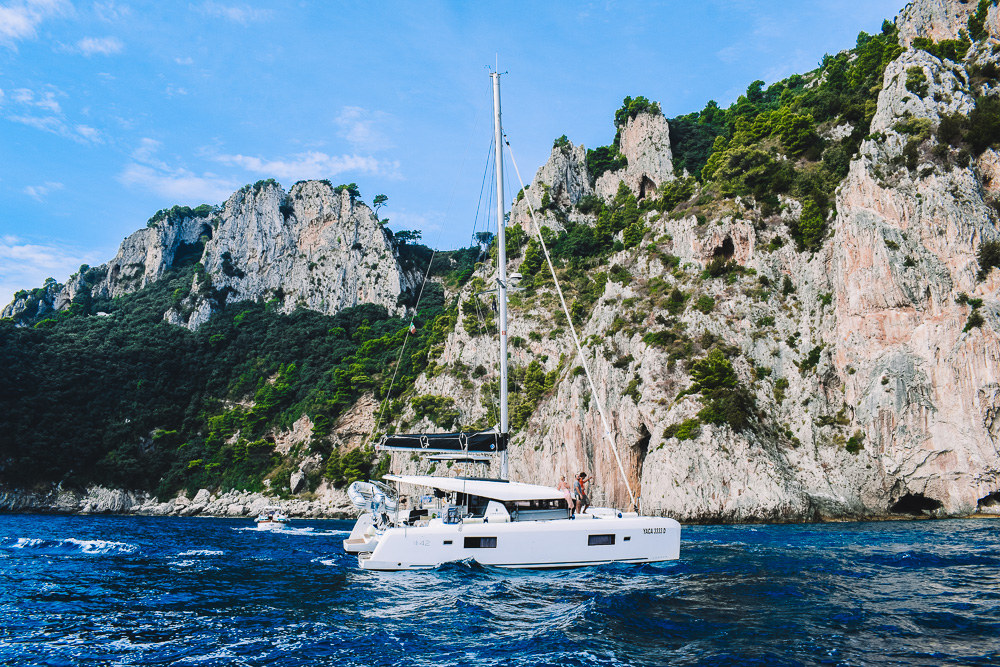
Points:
[(496, 522)]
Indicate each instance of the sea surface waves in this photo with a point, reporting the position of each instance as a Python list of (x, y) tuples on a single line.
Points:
[(145, 591)]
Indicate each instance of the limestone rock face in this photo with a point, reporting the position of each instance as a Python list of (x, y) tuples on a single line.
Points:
[(941, 19), (311, 247), (564, 177), (923, 389), (46, 304), (566, 174), (645, 143), (947, 92), (874, 395), (870, 394)]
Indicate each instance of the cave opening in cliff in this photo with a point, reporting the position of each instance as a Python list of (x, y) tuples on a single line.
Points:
[(646, 187), (726, 250), (188, 254), (915, 504), (206, 232), (641, 449), (991, 501)]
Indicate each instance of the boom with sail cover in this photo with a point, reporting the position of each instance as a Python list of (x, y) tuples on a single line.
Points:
[(479, 442)]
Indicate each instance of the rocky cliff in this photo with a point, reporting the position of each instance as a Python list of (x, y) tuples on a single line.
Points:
[(326, 502), (874, 396), (854, 325), (312, 247), (944, 19)]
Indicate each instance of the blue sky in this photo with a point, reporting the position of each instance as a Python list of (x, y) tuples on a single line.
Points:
[(112, 110)]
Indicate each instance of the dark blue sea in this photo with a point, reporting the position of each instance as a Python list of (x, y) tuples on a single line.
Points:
[(151, 591)]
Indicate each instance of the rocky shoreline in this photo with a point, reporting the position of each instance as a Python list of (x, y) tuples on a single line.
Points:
[(325, 503)]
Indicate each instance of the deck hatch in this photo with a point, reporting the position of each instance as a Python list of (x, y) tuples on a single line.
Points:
[(480, 543), (598, 540)]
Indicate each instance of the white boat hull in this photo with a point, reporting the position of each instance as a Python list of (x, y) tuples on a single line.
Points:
[(361, 538), (562, 543), (272, 525)]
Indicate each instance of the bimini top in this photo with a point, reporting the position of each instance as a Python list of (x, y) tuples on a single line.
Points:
[(482, 442), (492, 489)]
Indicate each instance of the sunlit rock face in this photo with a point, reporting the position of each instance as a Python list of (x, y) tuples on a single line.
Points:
[(872, 394), (311, 247), (645, 143), (902, 410), (941, 19)]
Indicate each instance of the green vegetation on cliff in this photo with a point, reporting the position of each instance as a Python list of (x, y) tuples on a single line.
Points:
[(131, 401)]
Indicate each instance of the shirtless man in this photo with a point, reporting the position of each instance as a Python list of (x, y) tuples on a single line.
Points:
[(580, 492)]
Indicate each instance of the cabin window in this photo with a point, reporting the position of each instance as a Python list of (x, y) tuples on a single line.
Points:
[(480, 543), (449, 541), (536, 505), (627, 538), (597, 540)]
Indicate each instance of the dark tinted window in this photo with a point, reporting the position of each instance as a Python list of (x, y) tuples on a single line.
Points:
[(595, 540), (481, 542)]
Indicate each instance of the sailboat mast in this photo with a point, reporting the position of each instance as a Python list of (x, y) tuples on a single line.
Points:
[(501, 266)]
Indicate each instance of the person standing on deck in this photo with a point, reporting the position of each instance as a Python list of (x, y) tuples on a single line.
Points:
[(580, 492), (564, 487)]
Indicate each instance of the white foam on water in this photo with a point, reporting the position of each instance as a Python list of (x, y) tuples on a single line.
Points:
[(70, 545), (313, 531), (305, 530), (202, 552), (24, 543), (329, 562), (102, 546)]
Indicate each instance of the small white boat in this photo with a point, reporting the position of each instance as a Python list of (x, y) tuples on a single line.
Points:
[(271, 518)]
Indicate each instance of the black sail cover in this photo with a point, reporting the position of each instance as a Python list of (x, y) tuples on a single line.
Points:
[(485, 442)]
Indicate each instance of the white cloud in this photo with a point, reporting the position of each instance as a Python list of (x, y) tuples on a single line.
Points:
[(111, 12), (104, 46), (180, 185), (26, 265), (44, 100), (146, 150), (81, 133), (424, 222), (39, 191), (41, 110), (364, 129), (184, 61), (312, 164), (19, 19), (174, 91), (241, 14), (176, 183), (88, 133)]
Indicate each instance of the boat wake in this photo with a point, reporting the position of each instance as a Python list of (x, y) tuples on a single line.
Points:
[(67, 547), (305, 530)]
